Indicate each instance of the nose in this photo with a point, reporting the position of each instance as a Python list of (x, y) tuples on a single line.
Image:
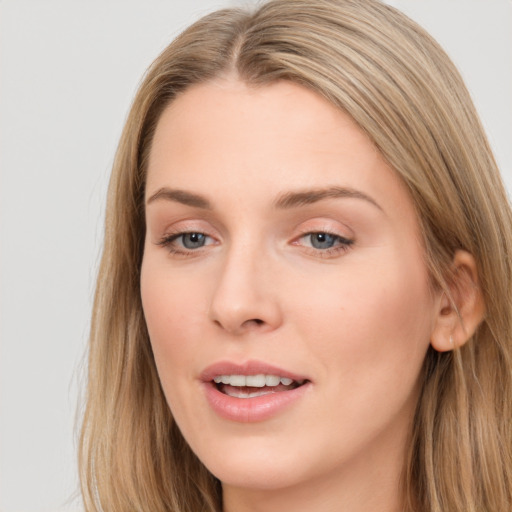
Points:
[(245, 296)]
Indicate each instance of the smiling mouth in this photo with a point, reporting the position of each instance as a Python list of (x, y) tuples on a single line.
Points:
[(251, 386)]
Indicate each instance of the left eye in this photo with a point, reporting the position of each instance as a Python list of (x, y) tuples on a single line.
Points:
[(323, 240), (192, 240)]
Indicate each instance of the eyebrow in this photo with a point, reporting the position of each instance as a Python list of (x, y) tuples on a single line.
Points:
[(288, 200), (305, 197), (180, 196)]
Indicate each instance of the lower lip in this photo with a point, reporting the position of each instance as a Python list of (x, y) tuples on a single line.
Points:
[(248, 410)]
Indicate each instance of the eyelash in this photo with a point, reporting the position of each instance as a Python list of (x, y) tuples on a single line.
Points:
[(168, 242), (343, 243)]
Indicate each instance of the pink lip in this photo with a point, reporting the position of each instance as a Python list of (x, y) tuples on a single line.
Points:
[(246, 410)]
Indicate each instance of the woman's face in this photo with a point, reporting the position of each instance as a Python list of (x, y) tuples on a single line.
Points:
[(284, 287)]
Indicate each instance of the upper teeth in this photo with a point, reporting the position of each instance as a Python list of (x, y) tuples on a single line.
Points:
[(255, 381)]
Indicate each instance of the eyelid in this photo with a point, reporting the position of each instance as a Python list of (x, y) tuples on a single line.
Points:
[(327, 225), (168, 236), (187, 225)]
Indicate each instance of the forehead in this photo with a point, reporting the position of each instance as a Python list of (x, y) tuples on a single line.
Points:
[(224, 136)]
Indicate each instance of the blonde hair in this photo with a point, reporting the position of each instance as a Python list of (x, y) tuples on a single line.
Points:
[(400, 87)]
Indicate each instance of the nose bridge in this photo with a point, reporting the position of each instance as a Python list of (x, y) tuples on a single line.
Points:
[(243, 298)]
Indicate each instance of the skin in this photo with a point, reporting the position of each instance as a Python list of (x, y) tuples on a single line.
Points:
[(355, 319)]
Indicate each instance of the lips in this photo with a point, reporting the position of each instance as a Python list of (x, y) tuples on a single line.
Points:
[(251, 392)]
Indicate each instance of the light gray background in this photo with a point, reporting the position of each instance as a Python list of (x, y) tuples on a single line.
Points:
[(69, 69)]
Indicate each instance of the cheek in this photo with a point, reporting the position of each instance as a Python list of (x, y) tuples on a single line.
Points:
[(373, 321), (170, 309), (369, 334)]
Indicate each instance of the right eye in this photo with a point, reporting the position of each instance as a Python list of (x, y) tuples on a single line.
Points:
[(191, 240), (184, 242)]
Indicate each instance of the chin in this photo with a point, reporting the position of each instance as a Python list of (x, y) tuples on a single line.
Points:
[(251, 475), (258, 464)]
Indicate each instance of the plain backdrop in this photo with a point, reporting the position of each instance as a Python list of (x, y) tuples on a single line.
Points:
[(68, 71)]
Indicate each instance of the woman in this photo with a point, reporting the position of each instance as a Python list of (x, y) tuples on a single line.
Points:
[(304, 297)]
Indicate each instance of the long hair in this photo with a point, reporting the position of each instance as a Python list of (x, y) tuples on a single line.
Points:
[(395, 81)]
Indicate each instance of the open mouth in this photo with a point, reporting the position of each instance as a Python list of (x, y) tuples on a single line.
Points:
[(251, 386)]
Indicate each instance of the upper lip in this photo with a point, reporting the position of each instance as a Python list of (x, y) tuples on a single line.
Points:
[(247, 368)]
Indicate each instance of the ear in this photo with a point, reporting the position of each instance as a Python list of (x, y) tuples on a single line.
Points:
[(459, 314)]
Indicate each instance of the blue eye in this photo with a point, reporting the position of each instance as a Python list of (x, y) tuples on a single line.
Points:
[(323, 240), (182, 243), (192, 240)]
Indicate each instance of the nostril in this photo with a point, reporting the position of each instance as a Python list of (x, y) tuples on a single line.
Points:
[(253, 322), (247, 325)]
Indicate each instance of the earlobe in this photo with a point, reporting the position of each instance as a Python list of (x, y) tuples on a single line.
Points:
[(461, 312)]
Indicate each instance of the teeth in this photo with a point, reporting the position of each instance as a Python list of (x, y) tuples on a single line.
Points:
[(237, 380), (254, 381), (272, 380)]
